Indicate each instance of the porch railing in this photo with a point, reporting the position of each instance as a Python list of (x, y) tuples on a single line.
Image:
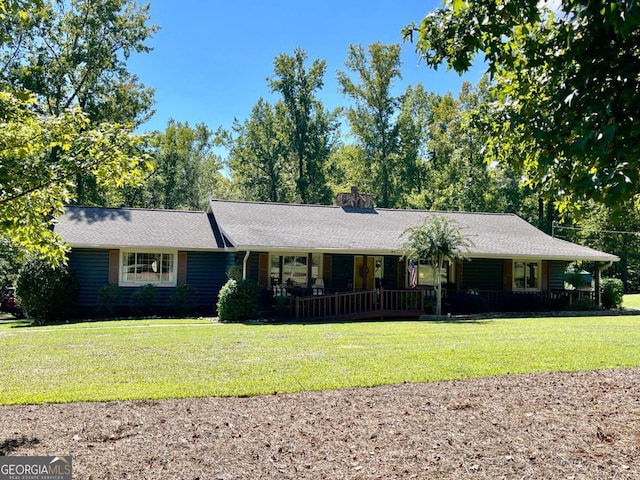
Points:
[(477, 301), (361, 304), (398, 303)]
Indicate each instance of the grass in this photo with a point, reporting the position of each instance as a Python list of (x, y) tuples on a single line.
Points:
[(151, 359), (631, 301)]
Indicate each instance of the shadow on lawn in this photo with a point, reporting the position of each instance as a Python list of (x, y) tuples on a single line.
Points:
[(25, 323), (16, 322), (465, 321), (12, 444), (328, 321)]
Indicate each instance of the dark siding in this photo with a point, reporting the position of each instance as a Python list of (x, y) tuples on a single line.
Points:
[(341, 272), (206, 273), (254, 265), (91, 270), (232, 261), (483, 274), (390, 280), (557, 275), (264, 272)]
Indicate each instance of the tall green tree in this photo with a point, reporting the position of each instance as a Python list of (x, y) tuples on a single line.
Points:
[(460, 177), (181, 153), (449, 170), (414, 120), (309, 130), (258, 156), (566, 86), (42, 153), (606, 229), (374, 116), (215, 180), (348, 167), (72, 54)]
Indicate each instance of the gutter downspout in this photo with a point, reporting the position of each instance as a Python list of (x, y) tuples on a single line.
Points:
[(244, 264), (597, 281)]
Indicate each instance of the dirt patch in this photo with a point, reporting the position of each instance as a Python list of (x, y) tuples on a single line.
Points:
[(561, 425)]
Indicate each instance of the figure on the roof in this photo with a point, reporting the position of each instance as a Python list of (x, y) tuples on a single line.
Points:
[(354, 199)]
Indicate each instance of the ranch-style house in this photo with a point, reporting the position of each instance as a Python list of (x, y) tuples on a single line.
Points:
[(340, 260)]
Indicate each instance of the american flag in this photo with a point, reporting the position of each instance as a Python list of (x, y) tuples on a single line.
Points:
[(413, 274)]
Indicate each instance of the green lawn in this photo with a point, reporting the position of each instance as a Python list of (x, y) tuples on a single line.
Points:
[(631, 301), (187, 358)]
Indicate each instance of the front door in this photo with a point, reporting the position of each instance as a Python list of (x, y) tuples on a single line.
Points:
[(365, 271)]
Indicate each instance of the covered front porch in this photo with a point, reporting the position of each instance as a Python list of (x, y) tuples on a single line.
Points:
[(415, 302), (322, 285)]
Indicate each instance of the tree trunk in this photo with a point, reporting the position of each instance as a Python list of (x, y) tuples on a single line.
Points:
[(438, 287)]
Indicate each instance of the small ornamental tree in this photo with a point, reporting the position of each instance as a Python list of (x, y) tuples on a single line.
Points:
[(435, 241)]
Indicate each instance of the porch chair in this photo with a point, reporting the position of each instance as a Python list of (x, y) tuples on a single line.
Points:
[(318, 286), (278, 289)]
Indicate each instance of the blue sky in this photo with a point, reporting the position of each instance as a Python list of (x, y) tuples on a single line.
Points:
[(211, 58)]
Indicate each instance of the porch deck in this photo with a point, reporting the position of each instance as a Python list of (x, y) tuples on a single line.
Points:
[(413, 303), (360, 305)]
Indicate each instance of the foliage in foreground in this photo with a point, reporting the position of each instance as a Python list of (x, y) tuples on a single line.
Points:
[(566, 86), (67, 124), (181, 301), (109, 297)]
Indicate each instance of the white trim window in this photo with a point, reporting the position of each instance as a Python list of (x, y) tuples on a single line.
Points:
[(526, 275), (142, 268)]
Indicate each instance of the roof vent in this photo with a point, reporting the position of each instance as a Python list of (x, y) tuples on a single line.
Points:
[(354, 199)]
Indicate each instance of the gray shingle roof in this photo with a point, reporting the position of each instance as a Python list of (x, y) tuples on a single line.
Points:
[(129, 227), (289, 227), (273, 226)]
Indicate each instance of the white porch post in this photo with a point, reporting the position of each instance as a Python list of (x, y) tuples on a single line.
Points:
[(244, 264), (597, 285)]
